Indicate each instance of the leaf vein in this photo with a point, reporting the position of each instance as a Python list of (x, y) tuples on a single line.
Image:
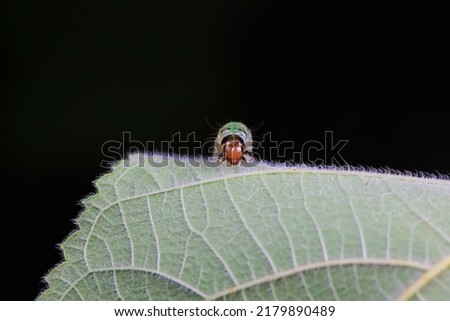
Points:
[(319, 265), (201, 235), (241, 216), (280, 221)]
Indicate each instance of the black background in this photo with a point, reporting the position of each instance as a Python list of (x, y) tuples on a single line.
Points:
[(75, 74)]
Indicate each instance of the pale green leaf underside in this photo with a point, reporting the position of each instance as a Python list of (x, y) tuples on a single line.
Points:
[(257, 233)]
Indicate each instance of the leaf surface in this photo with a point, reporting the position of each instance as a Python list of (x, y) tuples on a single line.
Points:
[(187, 231)]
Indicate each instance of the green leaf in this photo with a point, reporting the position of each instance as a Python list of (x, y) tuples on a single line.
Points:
[(187, 231)]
